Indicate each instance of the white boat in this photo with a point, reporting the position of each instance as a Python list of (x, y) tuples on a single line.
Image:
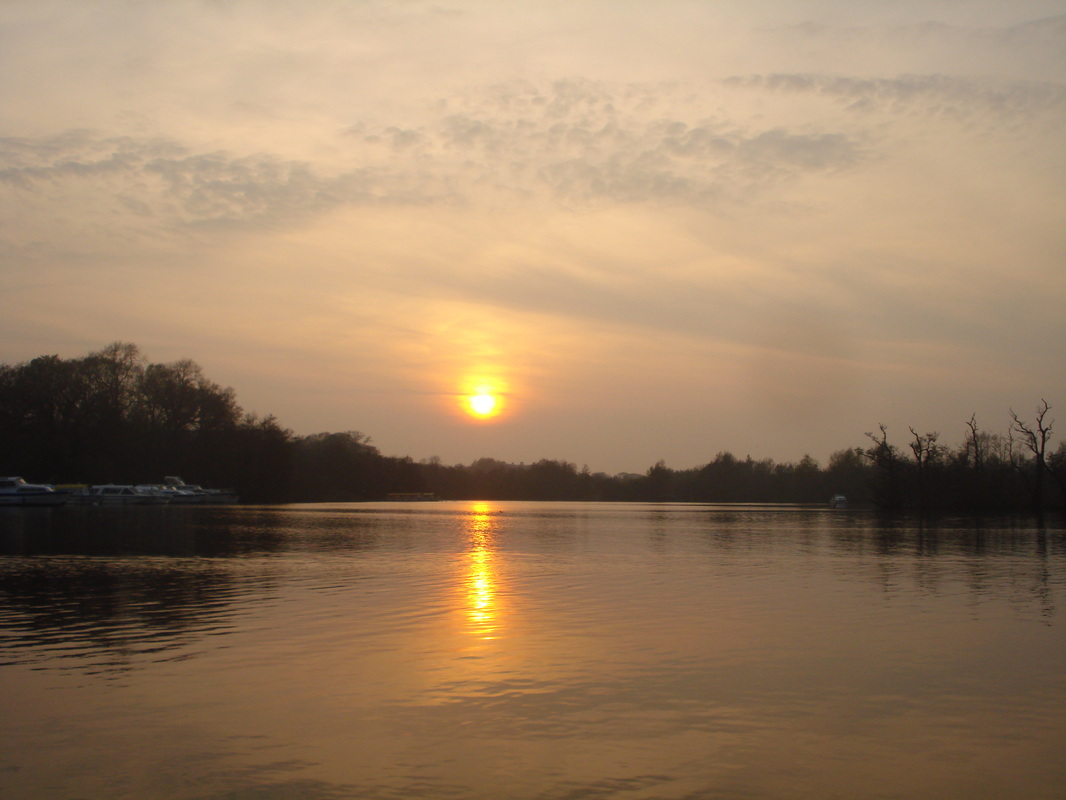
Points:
[(79, 493), (16, 492), (172, 493), (112, 494), (183, 492), (838, 501)]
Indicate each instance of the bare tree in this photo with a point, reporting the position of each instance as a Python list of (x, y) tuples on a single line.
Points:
[(924, 447), (887, 485), (1035, 439), (925, 450), (974, 444)]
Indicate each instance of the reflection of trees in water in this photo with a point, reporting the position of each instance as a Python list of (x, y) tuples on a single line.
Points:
[(132, 531), (131, 584), (191, 531), (120, 610), (1005, 557), (128, 584), (992, 557)]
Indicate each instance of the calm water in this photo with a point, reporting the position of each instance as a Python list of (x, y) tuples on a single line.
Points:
[(528, 650)]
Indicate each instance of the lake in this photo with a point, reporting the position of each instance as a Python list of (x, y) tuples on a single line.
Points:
[(550, 651)]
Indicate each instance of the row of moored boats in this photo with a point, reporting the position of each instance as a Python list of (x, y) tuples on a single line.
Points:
[(17, 492)]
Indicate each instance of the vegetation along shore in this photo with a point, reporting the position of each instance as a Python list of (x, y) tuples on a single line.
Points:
[(113, 417)]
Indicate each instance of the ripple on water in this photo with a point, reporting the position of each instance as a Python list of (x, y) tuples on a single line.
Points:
[(534, 651)]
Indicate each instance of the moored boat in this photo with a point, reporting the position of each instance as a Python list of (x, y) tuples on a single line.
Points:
[(79, 493), (112, 494), (193, 493), (173, 494), (16, 492)]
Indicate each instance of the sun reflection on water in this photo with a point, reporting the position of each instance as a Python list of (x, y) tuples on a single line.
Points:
[(481, 579)]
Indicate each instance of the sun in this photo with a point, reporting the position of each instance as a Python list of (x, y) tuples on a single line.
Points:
[(483, 403), (483, 399)]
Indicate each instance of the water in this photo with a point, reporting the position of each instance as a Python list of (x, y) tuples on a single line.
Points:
[(528, 650)]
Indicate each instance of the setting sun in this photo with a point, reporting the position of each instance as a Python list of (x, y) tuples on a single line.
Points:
[(483, 397), (484, 403)]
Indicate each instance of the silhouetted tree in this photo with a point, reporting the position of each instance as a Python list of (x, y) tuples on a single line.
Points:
[(552, 480), (926, 453), (42, 404), (337, 467), (1057, 468), (848, 473), (112, 416), (1035, 439), (659, 483), (888, 470), (260, 466)]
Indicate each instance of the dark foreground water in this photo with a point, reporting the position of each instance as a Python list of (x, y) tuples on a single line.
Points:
[(524, 650)]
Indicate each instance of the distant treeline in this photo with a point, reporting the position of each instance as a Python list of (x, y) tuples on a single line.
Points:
[(113, 417)]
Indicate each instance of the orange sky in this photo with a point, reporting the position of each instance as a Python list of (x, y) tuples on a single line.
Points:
[(661, 229)]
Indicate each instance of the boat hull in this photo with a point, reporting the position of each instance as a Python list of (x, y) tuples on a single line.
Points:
[(23, 499), (147, 500)]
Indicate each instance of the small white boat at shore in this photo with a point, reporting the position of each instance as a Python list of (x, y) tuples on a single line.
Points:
[(178, 492), (838, 501), (112, 494), (79, 493), (172, 493), (183, 492), (16, 492)]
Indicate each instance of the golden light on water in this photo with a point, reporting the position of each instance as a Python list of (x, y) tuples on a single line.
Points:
[(481, 582)]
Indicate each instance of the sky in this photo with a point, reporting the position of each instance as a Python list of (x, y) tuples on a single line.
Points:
[(658, 230)]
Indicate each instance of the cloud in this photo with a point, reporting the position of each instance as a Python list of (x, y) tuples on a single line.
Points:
[(590, 141), (218, 187), (167, 181), (570, 141), (1001, 101), (671, 154), (573, 140), (1022, 41)]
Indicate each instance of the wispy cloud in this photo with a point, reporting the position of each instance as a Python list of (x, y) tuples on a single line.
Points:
[(960, 97), (572, 140)]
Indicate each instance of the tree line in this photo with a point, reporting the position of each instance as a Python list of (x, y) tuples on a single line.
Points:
[(114, 417)]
